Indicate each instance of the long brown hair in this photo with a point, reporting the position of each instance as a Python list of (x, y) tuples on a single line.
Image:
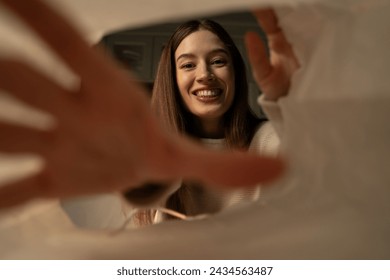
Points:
[(239, 121)]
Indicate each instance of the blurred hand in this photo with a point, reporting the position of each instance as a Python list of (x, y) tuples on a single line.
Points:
[(273, 71), (106, 138)]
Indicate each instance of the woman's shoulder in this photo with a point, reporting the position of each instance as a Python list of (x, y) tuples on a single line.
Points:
[(265, 140)]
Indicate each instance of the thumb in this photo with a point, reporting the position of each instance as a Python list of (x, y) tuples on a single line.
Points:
[(231, 169), (258, 57)]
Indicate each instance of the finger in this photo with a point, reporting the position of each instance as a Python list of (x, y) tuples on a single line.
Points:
[(21, 191), (61, 36), (20, 139), (258, 57), (173, 158), (225, 169), (267, 20), (36, 89), (237, 170)]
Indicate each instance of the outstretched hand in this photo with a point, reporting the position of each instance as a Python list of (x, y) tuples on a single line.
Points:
[(106, 138), (272, 71)]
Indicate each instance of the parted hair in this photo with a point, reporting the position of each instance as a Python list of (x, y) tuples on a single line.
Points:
[(239, 121)]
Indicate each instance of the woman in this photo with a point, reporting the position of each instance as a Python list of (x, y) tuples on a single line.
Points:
[(105, 138), (201, 91)]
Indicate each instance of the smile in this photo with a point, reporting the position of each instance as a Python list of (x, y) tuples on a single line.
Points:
[(209, 93)]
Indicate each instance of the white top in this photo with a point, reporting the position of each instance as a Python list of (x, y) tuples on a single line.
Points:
[(209, 200)]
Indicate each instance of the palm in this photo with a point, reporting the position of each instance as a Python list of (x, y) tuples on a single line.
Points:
[(106, 138)]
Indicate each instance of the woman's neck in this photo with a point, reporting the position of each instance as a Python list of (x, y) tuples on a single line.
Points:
[(211, 128)]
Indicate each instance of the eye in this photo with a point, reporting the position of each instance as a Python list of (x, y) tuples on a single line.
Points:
[(219, 62), (187, 66)]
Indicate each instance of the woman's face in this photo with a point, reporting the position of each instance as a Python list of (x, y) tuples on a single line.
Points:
[(205, 75)]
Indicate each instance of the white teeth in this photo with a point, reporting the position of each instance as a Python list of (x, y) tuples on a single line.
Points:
[(207, 93)]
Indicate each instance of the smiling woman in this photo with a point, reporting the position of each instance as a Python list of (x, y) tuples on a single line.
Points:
[(201, 91), (205, 78), (201, 86)]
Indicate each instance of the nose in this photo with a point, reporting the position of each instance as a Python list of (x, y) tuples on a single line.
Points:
[(205, 74)]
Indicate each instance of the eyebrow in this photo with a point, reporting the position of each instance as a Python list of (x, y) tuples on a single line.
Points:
[(186, 55)]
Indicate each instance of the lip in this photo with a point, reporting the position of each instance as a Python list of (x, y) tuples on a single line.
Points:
[(207, 95), (207, 92)]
